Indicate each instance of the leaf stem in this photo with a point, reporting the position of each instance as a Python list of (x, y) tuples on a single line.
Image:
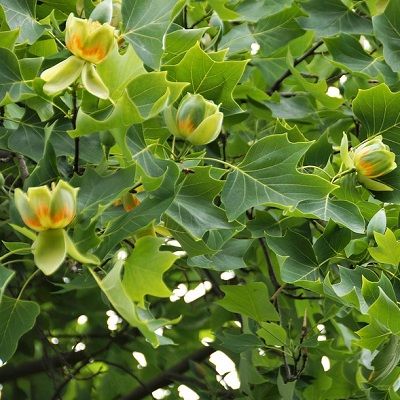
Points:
[(27, 282), (343, 173)]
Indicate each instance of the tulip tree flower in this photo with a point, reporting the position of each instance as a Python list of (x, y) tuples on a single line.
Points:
[(196, 120), (48, 212), (371, 159), (90, 42)]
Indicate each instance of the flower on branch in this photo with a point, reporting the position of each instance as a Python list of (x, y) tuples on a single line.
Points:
[(90, 41)]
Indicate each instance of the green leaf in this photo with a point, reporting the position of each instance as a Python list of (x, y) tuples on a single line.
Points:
[(112, 287), (268, 175), (144, 98), (377, 223), (387, 30), (223, 12), (22, 14), (126, 225), (230, 257), (5, 277), (193, 207), (277, 30), (251, 300), (348, 53), (387, 359), (16, 318), (252, 11), (386, 313), (300, 264), (117, 71), (349, 289), (378, 110), (388, 248), (317, 90), (340, 211), (144, 269), (146, 22), (331, 243), (240, 343), (215, 80), (331, 17), (272, 334), (12, 85), (177, 43), (96, 190)]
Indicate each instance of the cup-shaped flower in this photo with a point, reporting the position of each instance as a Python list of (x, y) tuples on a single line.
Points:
[(42, 209), (373, 158), (90, 42), (88, 39), (196, 120)]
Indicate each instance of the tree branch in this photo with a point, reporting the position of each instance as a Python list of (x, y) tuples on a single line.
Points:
[(12, 373), (165, 378), (296, 62)]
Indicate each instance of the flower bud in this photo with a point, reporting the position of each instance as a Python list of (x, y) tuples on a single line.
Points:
[(373, 159), (42, 209), (89, 40), (197, 120)]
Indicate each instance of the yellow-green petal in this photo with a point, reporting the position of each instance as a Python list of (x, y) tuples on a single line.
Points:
[(26, 212), (49, 250), (62, 75), (92, 82), (63, 205), (208, 130)]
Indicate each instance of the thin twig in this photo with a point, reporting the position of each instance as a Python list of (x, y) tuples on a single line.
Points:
[(73, 121)]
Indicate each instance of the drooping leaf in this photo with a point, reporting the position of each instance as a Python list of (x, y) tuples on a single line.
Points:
[(16, 318), (5, 276), (144, 269)]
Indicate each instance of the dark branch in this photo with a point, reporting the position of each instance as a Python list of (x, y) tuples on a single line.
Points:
[(165, 378), (296, 62), (12, 373)]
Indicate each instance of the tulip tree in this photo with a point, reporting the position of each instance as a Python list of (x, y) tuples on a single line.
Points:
[(183, 181)]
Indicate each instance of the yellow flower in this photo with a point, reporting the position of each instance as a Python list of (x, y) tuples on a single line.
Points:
[(90, 42), (196, 120), (42, 209), (372, 159)]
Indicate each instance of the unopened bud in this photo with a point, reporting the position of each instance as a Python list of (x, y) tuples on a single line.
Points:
[(196, 120)]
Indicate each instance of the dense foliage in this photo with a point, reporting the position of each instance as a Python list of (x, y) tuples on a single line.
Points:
[(186, 178)]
